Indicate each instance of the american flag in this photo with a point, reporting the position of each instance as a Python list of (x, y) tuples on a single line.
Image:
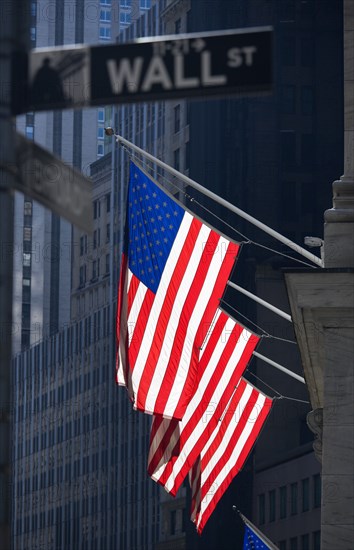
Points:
[(227, 450), (254, 539), (174, 271), (175, 445)]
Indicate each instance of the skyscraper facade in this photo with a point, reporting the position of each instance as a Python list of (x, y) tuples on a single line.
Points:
[(42, 250), (273, 156)]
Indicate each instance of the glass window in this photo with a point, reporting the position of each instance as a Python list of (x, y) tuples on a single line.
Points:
[(178, 25), (100, 149), (261, 509), (107, 263), (305, 494), (317, 540), (288, 50), (105, 15), (307, 50), (172, 522), (288, 100), (176, 158), (305, 542), (106, 2), (125, 3), (293, 543), (177, 118), (272, 505), (317, 491), (108, 202), (288, 148), (100, 132), (100, 115), (105, 33), (27, 208), (108, 232), (27, 260), (29, 132), (282, 545), (307, 149), (27, 233), (125, 18), (293, 498), (145, 4), (282, 502), (307, 100)]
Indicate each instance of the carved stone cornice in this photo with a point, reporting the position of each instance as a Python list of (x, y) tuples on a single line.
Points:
[(315, 423)]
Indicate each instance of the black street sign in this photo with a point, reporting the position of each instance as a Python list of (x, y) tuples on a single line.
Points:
[(53, 183), (181, 66)]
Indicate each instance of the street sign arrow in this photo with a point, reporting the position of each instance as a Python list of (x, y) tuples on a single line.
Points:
[(53, 183), (235, 62)]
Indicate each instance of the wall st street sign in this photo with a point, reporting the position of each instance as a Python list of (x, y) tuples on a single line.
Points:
[(53, 183), (181, 66)]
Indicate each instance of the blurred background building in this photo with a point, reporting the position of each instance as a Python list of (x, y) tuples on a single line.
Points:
[(273, 156)]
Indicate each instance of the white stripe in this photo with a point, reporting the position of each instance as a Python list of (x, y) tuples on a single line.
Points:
[(208, 468), (135, 309), (247, 431), (205, 380), (170, 333), (194, 326), (203, 422), (159, 299), (122, 357)]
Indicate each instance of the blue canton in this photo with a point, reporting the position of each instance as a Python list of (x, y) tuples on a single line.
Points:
[(153, 223), (252, 542)]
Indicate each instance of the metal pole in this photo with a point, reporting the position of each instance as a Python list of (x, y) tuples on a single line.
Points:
[(279, 367), (302, 251), (260, 301)]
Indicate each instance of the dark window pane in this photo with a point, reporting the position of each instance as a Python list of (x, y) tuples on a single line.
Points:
[(261, 509), (288, 148), (272, 505), (317, 491), (282, 503), (293, 497), (288, 100), (305, 494)]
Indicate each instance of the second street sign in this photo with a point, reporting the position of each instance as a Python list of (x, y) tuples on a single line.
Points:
[(194, 65)]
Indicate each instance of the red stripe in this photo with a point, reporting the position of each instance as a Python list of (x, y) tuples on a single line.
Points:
[(202, 408), (217, 331), (165, 314), (237, 467), (133, 289), (209, 312), (137, 331), (217, 414), (220, 489)]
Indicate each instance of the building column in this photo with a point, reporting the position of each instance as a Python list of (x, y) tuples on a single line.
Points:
[(322, 305), (339, 220)]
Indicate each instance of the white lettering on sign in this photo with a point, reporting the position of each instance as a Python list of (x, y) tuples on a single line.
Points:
[(124, 73), (128, 72), (156, 74), (238, 56), (180, 80), (207, 78)]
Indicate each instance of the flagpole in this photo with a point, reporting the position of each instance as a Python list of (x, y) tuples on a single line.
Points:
[(269, 306), (279, 367), (302, 251)]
